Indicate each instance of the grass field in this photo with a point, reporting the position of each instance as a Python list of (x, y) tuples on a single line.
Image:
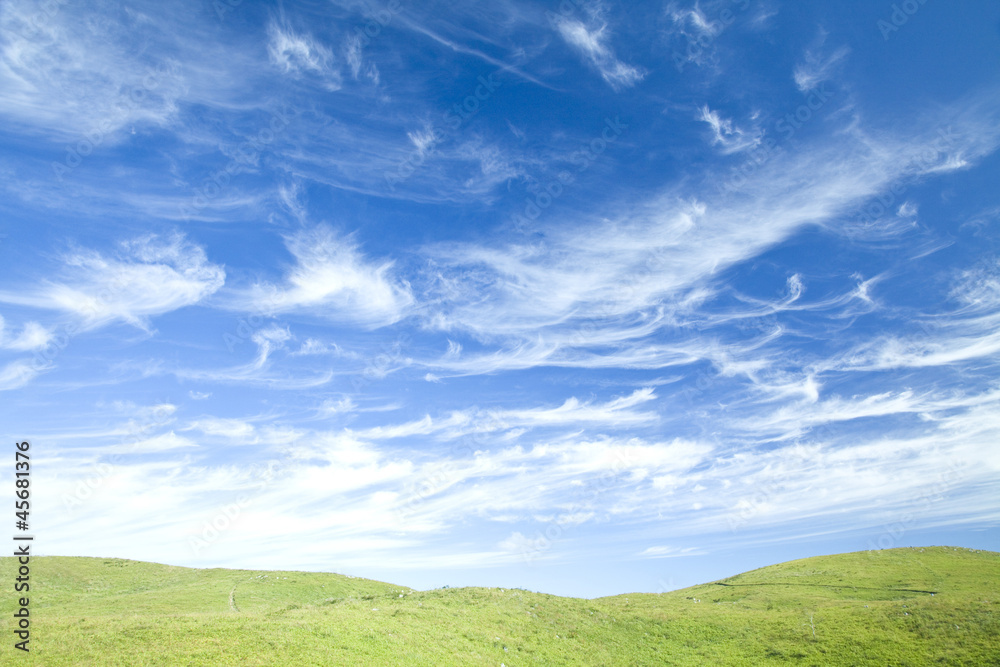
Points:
[(924, 606)]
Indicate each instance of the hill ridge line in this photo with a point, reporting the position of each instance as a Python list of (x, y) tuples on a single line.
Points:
[(862, 588)]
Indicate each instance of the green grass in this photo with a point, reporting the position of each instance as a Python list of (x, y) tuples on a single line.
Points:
[(865, 608)]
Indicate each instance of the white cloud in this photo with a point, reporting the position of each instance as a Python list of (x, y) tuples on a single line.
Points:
[(594, 293), (298, 54), (793, 419), (353, 52), (669, 552), (331, 279), (269, 339), (520, 544), (614, 413), (354, 55), (696, 18), (33, 336), (343, 406), (818, 68), (966, 332), (731, 138), (149, 276), (349, 493), (591, 43), (159, 443), (70, 76), (460, 48), (423, 140), (18, 373), (231, 429), (311, 346), (689, 27), (255, 373)]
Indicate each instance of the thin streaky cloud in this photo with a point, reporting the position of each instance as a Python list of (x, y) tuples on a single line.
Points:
[(591, 43)]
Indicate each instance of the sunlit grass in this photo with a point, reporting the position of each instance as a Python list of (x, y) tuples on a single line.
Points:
[(937, 605)]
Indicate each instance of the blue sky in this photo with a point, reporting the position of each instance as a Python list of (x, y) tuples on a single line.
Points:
[(585, 297)]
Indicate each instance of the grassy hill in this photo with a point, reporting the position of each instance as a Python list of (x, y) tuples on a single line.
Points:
[(936, 605)]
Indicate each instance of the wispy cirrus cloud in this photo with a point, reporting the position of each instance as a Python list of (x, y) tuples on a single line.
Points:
[(231, 429), (18, 373), (818, 64), (332, 279), (596, 292), (592, 45), (299, 53), (146, 277), (664, 551), (964, 332), (261, 370), (567, 480), (33, 336), (68, 77), (614, 413), (725, 134), (354, 55)]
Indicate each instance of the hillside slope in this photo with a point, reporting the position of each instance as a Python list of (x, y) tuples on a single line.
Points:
[(936, 605)]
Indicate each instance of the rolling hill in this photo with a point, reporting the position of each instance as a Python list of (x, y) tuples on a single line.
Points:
[(919, 606)]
